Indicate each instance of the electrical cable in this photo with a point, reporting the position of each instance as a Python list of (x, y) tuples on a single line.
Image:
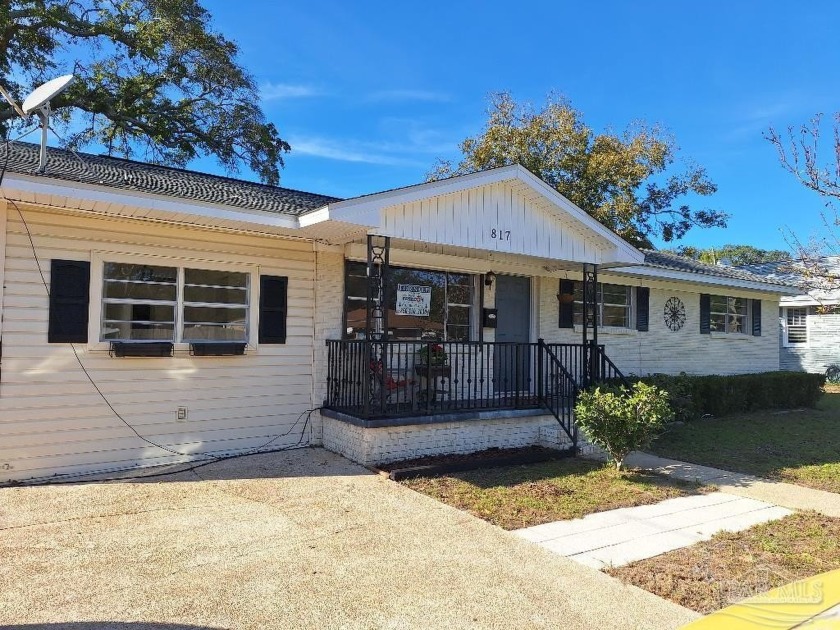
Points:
[(205, 458)]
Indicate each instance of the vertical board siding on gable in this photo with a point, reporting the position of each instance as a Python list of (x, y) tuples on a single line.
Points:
[(467, 218), (51, 418), (661, 350)]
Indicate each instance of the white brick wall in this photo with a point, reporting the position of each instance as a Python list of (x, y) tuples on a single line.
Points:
[(389, 444), (660, 350)]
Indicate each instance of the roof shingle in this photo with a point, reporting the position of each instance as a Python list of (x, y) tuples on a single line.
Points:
[(154, 179)]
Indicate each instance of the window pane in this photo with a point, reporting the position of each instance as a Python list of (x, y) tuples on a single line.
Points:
[(123, 290), (142, 273), (356, 287), (719, 303), (460, 295), (215, 295), (458, 333), (736, 324), (616, 316), (210, 315), (459, 315), (738, 306), (204, 332), (614, 294), (212, 278), (140, 312), (717, 322), (134, 331)]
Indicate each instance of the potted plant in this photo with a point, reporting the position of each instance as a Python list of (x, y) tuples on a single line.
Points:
[(431, 361)]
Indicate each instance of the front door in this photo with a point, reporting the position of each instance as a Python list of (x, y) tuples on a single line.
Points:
[(512, 363)]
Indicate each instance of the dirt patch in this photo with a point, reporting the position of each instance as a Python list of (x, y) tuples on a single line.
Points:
[(730, 567)]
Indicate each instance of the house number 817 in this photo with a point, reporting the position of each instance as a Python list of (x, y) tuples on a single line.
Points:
[(502, 235)]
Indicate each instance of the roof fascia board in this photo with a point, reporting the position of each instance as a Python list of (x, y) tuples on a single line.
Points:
[(83, 191), (684, 276)]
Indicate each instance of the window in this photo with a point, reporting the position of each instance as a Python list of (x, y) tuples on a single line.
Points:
[(728, 314), (446, 314), (796, 326), (165, 303), (614, 305)]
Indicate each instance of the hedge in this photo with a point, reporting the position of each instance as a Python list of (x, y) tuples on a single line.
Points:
[(694, 396)]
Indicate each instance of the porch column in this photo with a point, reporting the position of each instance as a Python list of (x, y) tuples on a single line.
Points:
[(590, 322), (378, 255)]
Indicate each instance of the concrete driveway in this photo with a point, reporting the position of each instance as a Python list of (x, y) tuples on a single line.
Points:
[(302, 539)]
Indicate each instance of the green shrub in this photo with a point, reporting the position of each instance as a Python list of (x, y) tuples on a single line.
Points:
[(621, 420), (832, 374), (695, 396)]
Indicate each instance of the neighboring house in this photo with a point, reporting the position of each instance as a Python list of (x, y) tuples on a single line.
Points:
[(810, 321), (210, 315)]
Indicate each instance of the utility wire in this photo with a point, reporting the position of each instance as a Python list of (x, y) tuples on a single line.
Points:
[(205, 458)]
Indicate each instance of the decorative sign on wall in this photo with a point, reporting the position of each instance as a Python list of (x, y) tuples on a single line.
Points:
[(674, 313), (414, 299)]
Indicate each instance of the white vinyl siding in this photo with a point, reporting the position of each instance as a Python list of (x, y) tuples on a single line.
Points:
[(52, 420)]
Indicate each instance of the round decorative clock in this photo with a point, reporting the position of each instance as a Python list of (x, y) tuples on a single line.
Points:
[(674, 313)]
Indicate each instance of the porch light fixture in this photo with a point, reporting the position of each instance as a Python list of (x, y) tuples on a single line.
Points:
[(489, 279)]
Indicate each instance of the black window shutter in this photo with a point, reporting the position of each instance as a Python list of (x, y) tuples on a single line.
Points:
[(567, 304), (69, 301), (273, 309), (756, 318), (705, 313), (642, 308)]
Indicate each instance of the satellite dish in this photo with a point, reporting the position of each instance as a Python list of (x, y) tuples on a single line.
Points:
[(39, 103), (44, 93)]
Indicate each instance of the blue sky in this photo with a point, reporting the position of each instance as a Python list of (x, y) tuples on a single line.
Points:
[(369, 94)]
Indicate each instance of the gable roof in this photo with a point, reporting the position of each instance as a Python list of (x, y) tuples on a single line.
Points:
[(128, 175), (366, 210)]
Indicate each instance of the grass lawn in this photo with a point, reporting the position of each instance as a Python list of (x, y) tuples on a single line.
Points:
[(801, 447), (520, 496), (711, 575)]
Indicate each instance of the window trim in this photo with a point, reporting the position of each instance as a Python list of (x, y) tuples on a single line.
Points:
[(631, 309), (746, 318), (97, 272), (785, 326)]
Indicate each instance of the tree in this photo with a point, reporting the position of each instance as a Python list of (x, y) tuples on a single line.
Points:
[(799, 153), (152, 79), (624, 181), (734, 254)]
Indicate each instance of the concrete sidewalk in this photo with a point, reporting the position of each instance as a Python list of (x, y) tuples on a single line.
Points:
[(302, 539), (778, 493), (618, 537)]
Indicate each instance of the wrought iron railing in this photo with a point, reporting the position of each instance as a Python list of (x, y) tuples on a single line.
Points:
[(392, 379)]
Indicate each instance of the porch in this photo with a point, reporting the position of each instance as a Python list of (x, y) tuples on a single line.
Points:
[(393, 383)]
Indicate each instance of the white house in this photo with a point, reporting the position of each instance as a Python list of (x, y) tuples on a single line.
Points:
[(154, 315), (809, 340)]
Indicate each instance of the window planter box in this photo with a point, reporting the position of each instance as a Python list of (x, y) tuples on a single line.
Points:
[(220, 349), (141, 349)]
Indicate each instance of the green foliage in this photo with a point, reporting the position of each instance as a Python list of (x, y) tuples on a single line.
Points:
[(152, 79), (624, 181), (621, 420), (832, 374), (735, 254), (695, 396)]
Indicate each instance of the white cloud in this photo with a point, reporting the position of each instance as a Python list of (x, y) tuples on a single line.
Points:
[(387, 154), (283, 91), (409, 95)]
